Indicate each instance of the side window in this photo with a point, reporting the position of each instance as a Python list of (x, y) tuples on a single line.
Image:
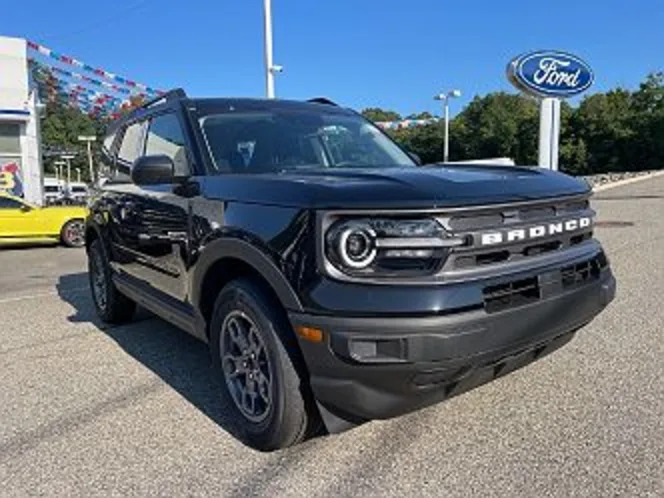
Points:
[(131, 143), (7, 203), (165, 137), (108, 141)]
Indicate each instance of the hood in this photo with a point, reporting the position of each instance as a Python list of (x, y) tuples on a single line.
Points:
[(433, 186)]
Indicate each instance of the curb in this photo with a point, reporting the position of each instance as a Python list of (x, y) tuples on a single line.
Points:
[(627, 181)]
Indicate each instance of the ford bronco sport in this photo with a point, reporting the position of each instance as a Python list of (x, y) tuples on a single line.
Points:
[(334, 278)]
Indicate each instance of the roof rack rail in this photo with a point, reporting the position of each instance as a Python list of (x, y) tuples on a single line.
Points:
[(323, 100), (175, 93)]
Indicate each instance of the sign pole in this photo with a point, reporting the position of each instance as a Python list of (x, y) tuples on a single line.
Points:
[(549, 132)]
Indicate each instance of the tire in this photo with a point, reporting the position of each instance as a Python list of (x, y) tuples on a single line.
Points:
[(111, 306), (72, 233), (282, 412)]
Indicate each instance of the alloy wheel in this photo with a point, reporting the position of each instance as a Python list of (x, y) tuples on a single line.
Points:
[(246, 366), (75, 233)]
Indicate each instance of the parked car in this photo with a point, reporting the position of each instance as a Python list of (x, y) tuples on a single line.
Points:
[(54, 191), (77, 193), (335, 280), (25, 223)]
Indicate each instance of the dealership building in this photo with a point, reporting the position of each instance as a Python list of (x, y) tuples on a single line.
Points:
[(20, 154)]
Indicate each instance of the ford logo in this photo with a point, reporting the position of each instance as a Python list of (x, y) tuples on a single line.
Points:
[(549, 73)]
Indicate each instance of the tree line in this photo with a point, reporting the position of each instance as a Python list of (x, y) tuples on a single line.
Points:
[(619, 130)]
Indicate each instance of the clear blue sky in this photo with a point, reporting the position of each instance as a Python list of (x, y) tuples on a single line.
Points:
[(390, 53)]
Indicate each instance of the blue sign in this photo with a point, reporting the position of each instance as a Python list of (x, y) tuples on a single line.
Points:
[(550, 73)]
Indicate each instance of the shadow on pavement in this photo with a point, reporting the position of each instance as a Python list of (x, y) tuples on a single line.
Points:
[(180, 360)]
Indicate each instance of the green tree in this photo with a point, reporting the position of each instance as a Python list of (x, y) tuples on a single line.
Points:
[(647, 120), (60, 129), (604, 122), (377, 114), (497, 125)]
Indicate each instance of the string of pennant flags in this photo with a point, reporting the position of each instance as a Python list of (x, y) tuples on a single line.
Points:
[(56, 84), (94, 94), (119, 80), (69, 81)]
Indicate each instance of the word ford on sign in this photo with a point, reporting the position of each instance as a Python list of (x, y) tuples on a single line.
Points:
[(550, 74), (533, 232)]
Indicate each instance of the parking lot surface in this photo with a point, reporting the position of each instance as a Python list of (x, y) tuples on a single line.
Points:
[(91, 410)]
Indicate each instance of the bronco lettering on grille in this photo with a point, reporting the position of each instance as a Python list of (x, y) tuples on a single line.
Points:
[(533, 232)]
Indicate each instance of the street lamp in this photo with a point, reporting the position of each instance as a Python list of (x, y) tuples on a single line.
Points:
[(68, 158), (89, 139), (58, 169), (445, 97), (270, 68)]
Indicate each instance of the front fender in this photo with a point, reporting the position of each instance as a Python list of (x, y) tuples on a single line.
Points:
[(249, 254)]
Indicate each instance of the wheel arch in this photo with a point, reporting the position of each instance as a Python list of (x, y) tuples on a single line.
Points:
[(226, 259)]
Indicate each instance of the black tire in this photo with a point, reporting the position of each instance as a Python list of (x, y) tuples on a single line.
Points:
[(72, 233), (290, 415), (110, 304)]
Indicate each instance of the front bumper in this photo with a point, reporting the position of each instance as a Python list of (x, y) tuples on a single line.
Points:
[(381, 367)]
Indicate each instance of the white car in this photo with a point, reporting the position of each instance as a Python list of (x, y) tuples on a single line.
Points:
[(77, 192), (54, 191)]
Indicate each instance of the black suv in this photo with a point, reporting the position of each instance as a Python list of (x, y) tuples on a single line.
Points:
[(335, 279)]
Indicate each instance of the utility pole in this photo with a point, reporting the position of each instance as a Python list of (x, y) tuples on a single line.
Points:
[(270, 68), (78, 175), (88, 139)]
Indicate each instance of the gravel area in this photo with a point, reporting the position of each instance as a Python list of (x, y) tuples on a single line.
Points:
[(604, 178)]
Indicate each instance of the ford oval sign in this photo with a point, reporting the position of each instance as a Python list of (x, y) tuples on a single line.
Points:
[(549, 73)]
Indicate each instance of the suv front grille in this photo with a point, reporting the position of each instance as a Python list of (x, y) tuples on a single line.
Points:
[(579, 274), (511, 295), (506, 220), (521, 292)]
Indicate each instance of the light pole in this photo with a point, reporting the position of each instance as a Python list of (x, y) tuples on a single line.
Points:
[(88, 139), (78, 175), (58, 169), (445, 98), (270, 68), (68, 158)]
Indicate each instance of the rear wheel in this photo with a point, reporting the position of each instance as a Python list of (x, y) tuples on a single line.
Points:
[(73, 233), (110, 304), (265, 385)]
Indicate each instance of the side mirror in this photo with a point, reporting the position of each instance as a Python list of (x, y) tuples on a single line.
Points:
[(153, 170), (415, 158), (25, 208)]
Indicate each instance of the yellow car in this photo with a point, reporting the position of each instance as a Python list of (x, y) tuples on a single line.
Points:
[(25, 223)]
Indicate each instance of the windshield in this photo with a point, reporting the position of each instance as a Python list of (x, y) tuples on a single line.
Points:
[(282, 140)]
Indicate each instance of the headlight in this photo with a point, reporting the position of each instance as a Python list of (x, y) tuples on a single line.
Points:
[(356, 246), (386, 247)]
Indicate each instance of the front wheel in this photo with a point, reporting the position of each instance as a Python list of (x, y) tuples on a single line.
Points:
[(73, 233), (265, 385)]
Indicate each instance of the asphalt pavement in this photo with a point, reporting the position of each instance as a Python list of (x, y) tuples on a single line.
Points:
[(91, 410)]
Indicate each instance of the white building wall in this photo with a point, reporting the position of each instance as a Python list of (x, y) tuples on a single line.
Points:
[(17, 105)]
